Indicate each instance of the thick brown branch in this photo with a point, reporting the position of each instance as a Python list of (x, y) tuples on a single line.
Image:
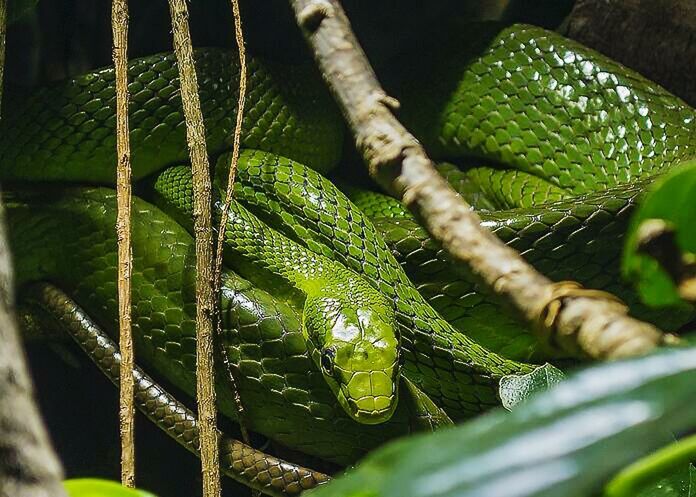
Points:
[(577, 321), (202, 225), (28, 465), (119, 26)]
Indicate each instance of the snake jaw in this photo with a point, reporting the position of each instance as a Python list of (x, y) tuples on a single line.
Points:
[(372, 396)]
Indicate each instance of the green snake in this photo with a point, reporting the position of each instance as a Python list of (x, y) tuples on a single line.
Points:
[(555, 144), (47, 307), (571, 127), (350, 326)]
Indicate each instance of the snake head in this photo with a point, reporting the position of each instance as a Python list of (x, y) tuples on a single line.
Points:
[(357, 349)]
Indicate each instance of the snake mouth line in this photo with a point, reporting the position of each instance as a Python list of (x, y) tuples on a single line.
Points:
[(368, 398), (374, 416)]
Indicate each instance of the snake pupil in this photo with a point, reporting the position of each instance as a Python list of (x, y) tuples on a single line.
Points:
[(327, 360)]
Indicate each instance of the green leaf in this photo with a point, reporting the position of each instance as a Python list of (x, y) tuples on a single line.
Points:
[(89, 487), (671, 199), (663, 473), (567, 441), (518, 388), (678, 484)]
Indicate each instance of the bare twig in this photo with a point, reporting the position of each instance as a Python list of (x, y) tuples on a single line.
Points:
[(202, 225), (578, 321), (226, 206), (119, 26)]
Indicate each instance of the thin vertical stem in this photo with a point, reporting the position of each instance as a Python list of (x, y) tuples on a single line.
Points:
[(202, 225), (119, 26), (229, 193)]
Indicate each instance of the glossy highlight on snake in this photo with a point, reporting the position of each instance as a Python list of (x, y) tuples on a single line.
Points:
[(554, 143)]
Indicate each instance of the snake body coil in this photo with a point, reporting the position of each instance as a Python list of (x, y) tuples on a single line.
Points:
[(556, 143), (547, 118)]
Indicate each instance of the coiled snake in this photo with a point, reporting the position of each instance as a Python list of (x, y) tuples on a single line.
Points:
[(566, 140)]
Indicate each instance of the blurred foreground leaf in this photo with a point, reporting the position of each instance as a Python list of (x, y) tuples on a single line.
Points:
[(567, 441), (88, 487), (680, 483)]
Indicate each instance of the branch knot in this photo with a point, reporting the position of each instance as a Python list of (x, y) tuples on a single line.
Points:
[(313, 14), (550, 309)]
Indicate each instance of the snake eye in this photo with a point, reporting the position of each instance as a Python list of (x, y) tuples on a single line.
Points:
[(327, 360)]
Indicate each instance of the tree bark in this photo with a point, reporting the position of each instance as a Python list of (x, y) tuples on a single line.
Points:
[(28, 465), (203, 229), (119, 26)]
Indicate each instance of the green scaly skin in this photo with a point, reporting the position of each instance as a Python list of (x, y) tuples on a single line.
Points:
[(48, 308), (565, 98), (454, 371), (557, 143), (66, 132), (350, 327), (71, 139), (67, 237)]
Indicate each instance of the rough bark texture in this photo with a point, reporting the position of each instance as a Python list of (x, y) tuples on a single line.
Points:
[(28, 465), (202, 225), (578, 321), (119, 24), (655, 37)]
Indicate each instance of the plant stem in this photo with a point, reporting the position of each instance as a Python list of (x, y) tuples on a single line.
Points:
[(651, 468), (119, 26), (229, 192), (202, 226)]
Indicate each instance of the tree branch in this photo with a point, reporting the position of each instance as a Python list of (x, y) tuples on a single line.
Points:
[(202, 226), (577, 321), (119, 27), (28, 465)]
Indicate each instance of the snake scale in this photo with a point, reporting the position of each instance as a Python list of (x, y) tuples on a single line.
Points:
[(564, 140), (47, 306), (556, 143)]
